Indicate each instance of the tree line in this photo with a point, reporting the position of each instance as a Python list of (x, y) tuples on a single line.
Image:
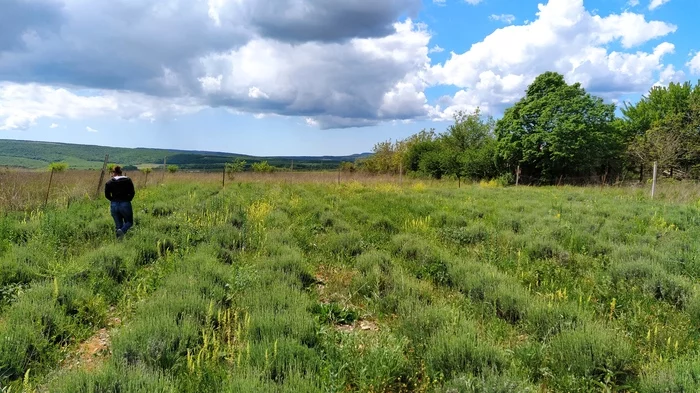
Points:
[(556, 133)]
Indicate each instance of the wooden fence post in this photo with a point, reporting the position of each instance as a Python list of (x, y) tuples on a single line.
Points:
[(165, 168), (653, 182), (102, 176)]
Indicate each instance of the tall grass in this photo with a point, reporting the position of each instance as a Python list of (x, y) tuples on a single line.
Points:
[(276, 283)]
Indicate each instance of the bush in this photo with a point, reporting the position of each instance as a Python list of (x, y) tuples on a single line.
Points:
[(423, 258), (490, 382), (545, 321), (465, 236), (113, 378), (456, 350), (589, 355), (369, 362), (33, 330), (672, 289), (374, 278), (679, 376)]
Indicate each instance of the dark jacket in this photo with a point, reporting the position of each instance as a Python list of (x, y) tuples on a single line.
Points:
[(119, 189)]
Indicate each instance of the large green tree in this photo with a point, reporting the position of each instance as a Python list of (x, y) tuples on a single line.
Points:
[(469, 146), (664, 126), (558, 130)]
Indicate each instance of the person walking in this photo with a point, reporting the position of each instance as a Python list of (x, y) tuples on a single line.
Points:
[(119, 190)]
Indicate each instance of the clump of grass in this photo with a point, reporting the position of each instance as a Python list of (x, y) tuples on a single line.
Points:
[(548, 320), (678, 376), (465, 236), (345, 245), (334, 313), (459, 349), (369, 362), (161, 210), (113, 378), (110, 267), (672, 289), (33, 330), (502, 295), (157, 340), (422, 258), (587, 356), (374, 279), (490, 382), (291, 266), (634, 272), (543, 250)]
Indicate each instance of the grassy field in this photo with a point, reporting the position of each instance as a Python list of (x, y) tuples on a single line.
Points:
[(282, 284)]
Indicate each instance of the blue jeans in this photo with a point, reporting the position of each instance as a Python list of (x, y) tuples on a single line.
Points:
[(123, 215)]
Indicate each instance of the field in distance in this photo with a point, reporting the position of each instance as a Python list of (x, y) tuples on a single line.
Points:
[(359, 286), (38, 155)]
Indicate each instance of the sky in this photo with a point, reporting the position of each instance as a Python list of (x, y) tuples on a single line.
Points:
[(315, 77)]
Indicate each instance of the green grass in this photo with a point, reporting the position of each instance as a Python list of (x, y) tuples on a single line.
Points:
[(318, 288)]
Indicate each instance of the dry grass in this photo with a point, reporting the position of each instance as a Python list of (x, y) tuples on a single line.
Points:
[(26, 189)]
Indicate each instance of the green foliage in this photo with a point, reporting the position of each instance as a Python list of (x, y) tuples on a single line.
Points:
[(173, 168), (592, 356), (113, 379), (263, 167), (58, 167), (311, 287), (238, 165), (557, 130), (458, 349)]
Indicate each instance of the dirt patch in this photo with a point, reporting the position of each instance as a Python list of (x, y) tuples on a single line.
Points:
[(366, 326), (333, 283), (92, 352)]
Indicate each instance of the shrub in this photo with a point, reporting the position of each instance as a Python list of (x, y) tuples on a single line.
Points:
[(369, 362), (672, 289), (490, 382), (334, 313), (345, 245), (157, 339), (545, 321), (679, 376), (591, 354), (374, 278), (465, 236), (33, 330), (456, 350), (424, 260), (112, 379)]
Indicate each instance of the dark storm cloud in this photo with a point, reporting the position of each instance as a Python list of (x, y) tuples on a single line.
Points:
[(327, 21)]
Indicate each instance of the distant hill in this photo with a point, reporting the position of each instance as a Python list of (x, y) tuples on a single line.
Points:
[(34, 155)]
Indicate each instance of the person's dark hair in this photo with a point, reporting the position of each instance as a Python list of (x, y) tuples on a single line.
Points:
[(117, 170)]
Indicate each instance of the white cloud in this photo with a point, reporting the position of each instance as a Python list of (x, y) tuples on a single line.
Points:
[(694, 64), (633, 3), (505, 18), (436, 49), (439, 2), (53, 125), (657, 3), (254, 92), (564, 38), (360, 82), (90, 129), (21, 105), (669, 74), (344, 63)]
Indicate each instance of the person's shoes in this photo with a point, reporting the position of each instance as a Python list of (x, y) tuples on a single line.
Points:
[(120, 234)]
